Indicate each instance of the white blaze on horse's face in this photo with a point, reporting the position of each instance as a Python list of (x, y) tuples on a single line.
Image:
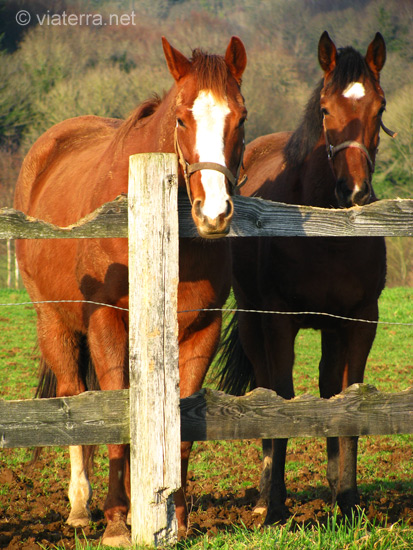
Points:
[(355, 90), (210, 114)]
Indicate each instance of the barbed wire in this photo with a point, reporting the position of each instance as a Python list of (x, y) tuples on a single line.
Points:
[(223, 310), (64, 302)]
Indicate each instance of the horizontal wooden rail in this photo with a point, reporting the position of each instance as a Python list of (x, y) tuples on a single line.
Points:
[(359, 410), (261, 218), (252, 217), (89, 418), (103, 417)]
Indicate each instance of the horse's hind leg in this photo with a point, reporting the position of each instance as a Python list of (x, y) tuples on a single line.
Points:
[(196, 351), (60, 348), (252, 338), (80, 491), (343, 361)]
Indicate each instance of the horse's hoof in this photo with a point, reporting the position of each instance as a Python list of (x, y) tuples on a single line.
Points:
[(117, 535), (280, 514), (349, 504), (183, 532), (78, 518)]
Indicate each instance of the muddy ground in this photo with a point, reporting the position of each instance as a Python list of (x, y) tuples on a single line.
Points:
[(34, 503)]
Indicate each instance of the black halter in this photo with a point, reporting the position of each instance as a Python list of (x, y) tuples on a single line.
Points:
[(332, 150)]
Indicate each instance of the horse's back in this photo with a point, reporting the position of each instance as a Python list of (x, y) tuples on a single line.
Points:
[(263, 161), (61, 141)]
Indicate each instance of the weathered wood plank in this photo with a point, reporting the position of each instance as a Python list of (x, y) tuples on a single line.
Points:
[(252, 217), (359, 410), (109, 220), (103, 417), (89, 418), (256, 217), (153, 347)]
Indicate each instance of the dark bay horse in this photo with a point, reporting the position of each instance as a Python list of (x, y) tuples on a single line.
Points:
[(82, 163), (327, 162)]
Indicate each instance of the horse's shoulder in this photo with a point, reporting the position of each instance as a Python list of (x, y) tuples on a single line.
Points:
[(71, 134)]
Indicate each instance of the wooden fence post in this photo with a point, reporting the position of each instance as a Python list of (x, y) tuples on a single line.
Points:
[(153, 346)]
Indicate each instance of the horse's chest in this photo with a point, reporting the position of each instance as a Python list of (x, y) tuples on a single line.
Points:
[(316, 275)]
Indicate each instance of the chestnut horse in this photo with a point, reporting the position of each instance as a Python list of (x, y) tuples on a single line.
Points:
[(78, 165), (340, 276)]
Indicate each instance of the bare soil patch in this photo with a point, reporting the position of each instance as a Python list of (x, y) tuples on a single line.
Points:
[(34, 503)]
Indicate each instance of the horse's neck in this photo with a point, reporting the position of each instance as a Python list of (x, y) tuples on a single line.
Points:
[(317, 183), (156, 133)]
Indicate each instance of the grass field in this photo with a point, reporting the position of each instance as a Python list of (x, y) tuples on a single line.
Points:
[(389, 368), (215, 466)]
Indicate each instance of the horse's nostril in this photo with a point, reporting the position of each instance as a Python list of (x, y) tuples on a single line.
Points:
[(362, 194), (343, 193), (366, 188), (230, 209), (197, 206)]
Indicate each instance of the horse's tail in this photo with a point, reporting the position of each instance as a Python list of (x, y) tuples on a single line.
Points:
[(235, 371), (47, 387)]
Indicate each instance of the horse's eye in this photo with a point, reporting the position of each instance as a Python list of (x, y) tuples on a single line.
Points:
[(381, 110), (242, 121), (324, 111), (180, 122)]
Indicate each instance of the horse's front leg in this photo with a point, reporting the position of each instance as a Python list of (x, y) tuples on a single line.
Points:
[(344, 357), (197, 348), (360, 337)]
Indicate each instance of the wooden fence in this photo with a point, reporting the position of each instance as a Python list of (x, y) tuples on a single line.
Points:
[(130, 416)]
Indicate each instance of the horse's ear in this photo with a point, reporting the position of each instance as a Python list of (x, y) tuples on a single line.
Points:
[(327, 53), (178, 64), (376, 54), (236, 58)]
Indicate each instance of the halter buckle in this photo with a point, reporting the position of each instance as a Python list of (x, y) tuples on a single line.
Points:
[(330, 151)]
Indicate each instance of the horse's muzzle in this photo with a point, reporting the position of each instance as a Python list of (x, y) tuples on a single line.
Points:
[(358, 195), (212, 228)]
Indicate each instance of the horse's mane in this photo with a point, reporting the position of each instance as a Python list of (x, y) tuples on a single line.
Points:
[(350, 67), (142, 111)]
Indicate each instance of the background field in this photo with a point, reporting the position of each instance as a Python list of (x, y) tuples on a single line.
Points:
[(224, 476)]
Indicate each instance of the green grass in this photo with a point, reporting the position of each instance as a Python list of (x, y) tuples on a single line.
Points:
[(18, 354), (360, 534), (334, 535)]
